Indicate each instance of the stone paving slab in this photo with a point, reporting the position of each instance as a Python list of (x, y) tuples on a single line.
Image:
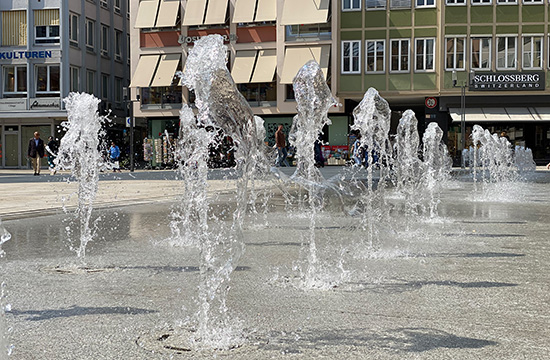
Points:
[(473, 284)]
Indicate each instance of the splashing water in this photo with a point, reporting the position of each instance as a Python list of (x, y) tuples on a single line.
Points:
[(189, 223), (407, 166), (523, 159), (436, 167), (222, 106), (79, 151), (372, 119), (313, 100), (5, 236), (5, 350)]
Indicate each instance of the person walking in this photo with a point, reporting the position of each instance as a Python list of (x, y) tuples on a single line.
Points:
[(51, 149), (114, 155), (36, 152), (280, 143)]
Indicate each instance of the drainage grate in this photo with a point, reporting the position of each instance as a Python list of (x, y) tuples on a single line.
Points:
[(73, 269)]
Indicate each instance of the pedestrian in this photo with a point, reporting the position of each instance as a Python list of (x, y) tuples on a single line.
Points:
[(114, 156), (357, 151), (36, 152), (280, 143), (51, 149), (318, 151)]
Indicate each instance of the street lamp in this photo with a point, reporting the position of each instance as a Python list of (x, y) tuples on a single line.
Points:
[(130, 112), (463, 86)]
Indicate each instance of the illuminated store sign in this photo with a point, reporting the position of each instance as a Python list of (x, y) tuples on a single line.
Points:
[(507, 81)]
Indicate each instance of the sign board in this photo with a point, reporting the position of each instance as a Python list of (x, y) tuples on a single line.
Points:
[(13, 104), (128, 122), (191, 39), (490, 81), (430, 102), (45, 104)]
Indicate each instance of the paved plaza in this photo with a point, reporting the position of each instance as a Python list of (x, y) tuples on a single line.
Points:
[(472, 284)]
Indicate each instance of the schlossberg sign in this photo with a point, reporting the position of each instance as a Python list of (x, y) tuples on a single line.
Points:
[(507, 81)]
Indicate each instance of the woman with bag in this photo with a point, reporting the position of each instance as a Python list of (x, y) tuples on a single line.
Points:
[(114, 154)]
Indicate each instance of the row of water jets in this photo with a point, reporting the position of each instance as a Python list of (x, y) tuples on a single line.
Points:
[(416, 172)]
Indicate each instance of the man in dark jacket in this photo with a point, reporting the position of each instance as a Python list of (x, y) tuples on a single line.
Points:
[(36, 152), (280, 143)]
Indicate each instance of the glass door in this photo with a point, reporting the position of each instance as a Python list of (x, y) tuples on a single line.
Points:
[(27, 133), (11, 146)]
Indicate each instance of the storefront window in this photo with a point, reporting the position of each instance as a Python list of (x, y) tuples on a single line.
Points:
[(161, 97)]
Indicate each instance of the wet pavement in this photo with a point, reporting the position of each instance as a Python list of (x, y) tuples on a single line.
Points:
[(471, 284)]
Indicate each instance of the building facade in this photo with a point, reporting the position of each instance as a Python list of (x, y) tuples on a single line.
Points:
[(422, 54), (50, 48), (268, 41)]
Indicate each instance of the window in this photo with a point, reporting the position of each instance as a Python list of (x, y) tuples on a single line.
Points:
[(400, 4), (259, 94), (75, 79), (376, 4), (90, 82), (118, 90), (14, 28), (507, 1), (118, 45), (532, 52), (104, 3), (482, 2), (48, 34), (425, 3), (15, 81), (351, 57), (456, 2), (400, 55), (376, 53), (454, 53), (529, 2), (425, 50), (506, 52), (128, 48), (117, 6), (350, 5), (481, 53), (47, 80), (73, 29), (104, 86), (310, 31), (90, 34), (104, 40)]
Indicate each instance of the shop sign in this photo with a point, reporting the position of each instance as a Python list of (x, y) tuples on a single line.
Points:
[(191, 39), (13, 104), (14, 55), (507, 81), (45, 104)]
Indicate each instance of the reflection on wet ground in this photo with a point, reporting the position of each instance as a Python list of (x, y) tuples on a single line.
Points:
[(472, 283)]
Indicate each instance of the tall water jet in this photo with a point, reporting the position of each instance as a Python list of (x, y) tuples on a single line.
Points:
[(493, 158), (189, 223), (407, 165), (437, 166), (313, 101), (372, 119), (79, 152), (221, 105)]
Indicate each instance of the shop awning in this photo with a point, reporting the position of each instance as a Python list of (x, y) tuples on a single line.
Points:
[(296, 57), (144, 72), (168, 13), (503, 114), (147, 13), (166, 70), (194, 12), (265, 66), (266, 10), (298, 12), (215, 14), (244, 11), (243, 66)]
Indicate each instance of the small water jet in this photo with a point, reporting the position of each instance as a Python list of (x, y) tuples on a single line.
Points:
[(80, 152), (5, 349)]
